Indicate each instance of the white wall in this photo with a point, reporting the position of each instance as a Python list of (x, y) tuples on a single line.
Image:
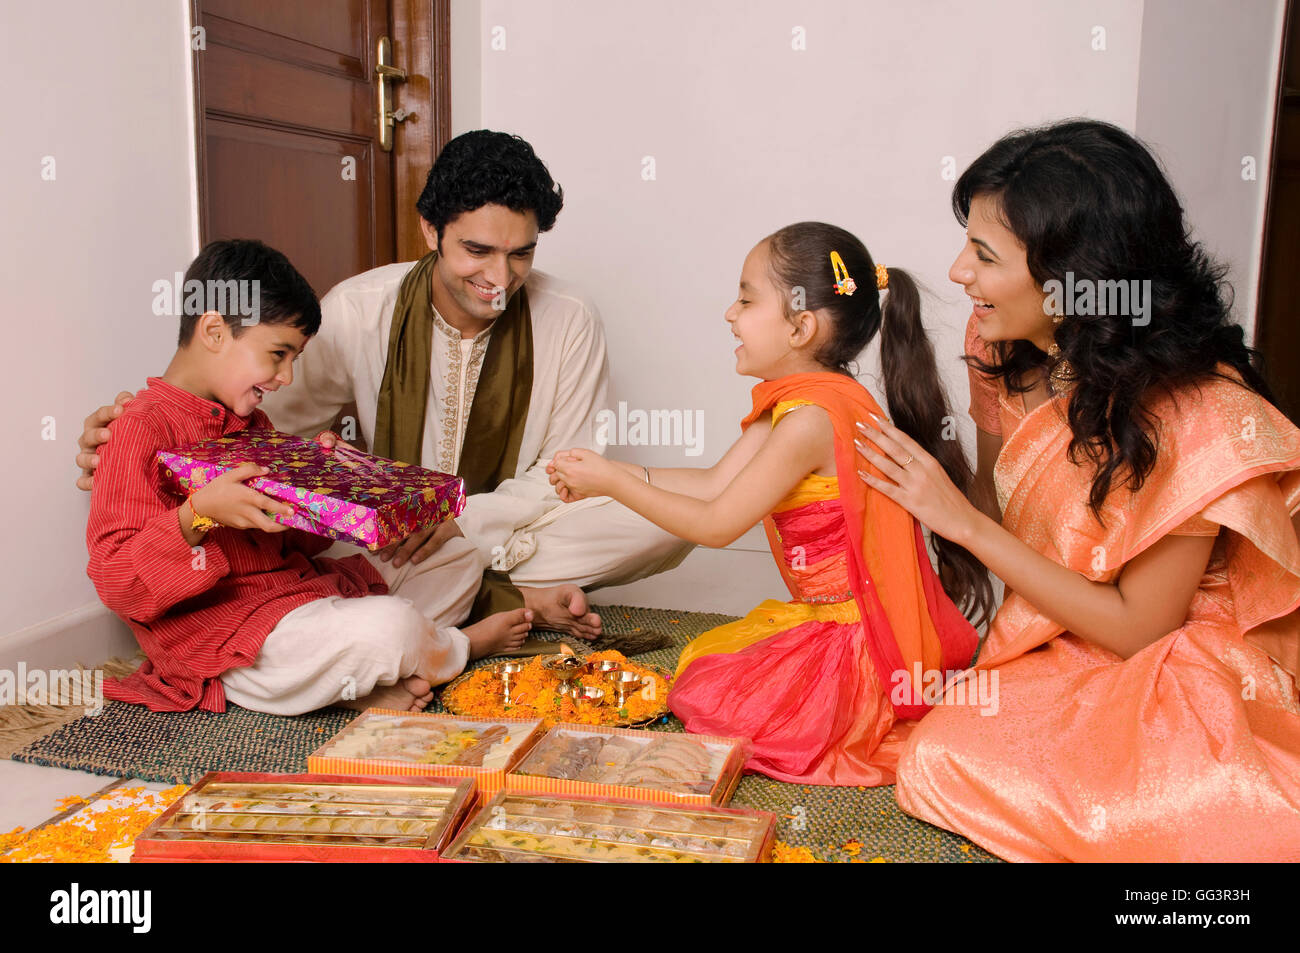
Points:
[(103, 89), (749, 134), (1206, 100), (466, 66)]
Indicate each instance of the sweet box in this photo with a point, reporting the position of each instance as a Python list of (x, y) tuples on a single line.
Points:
[(385, 742), (238, 817), (337, 493), (656, 766), (514, 827)]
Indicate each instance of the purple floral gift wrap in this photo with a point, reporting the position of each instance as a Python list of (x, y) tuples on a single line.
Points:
[(339, 494)]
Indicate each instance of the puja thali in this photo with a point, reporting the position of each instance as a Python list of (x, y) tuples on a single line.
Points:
[(603, 689)]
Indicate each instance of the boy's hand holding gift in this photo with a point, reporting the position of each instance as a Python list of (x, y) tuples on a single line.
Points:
[(230, 503)]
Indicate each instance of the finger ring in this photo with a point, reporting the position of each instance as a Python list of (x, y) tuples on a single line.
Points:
[(909, 459)]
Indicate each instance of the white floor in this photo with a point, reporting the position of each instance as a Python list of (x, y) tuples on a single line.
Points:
[(29, 794)]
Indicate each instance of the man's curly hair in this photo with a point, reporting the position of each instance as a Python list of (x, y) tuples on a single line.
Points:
[(489, 168)]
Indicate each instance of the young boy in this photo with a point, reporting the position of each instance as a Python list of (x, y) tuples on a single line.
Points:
[(226, 603)]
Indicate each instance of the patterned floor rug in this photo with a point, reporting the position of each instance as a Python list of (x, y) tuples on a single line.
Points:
[(837, 824)]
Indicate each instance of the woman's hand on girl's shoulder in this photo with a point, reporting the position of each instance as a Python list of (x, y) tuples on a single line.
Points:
[(913, 479)]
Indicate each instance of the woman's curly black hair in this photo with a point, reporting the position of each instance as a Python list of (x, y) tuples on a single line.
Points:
[(1085, 197), (489, 168)]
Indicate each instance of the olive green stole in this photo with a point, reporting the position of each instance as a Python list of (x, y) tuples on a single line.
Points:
[(495, 429)]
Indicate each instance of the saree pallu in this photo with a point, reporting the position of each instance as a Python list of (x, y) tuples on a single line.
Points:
[(1190, 749)]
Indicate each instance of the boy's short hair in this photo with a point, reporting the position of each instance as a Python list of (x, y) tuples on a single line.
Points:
[(235, 273), (489, 168)]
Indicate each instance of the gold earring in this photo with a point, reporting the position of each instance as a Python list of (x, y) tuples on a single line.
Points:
[(1061, 376)]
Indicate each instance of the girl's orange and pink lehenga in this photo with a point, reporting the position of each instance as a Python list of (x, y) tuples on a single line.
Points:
[(810, 681), (1188, 750)]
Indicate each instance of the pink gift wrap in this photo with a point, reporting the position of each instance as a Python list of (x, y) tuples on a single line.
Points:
[(332, 494)]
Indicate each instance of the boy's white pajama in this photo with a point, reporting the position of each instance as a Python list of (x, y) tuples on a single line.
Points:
[(336, 649)]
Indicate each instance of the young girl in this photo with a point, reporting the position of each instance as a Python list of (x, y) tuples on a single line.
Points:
[(1148, 652), (823, 684)]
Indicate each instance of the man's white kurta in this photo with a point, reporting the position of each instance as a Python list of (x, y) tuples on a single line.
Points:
[(345, 362)]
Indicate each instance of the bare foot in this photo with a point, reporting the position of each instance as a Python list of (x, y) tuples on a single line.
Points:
[(499, 632), (563, 608), (409, 694)]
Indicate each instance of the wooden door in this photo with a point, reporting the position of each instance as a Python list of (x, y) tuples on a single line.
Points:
[(288, 150), (1277, 329)]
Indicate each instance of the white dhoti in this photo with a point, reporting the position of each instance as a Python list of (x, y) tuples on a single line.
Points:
[(337, 649), (590, 543)]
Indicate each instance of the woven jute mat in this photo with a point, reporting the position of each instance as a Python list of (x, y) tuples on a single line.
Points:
[(178, 747)]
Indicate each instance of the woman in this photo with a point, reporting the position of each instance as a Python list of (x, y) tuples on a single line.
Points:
[(1144, 660)]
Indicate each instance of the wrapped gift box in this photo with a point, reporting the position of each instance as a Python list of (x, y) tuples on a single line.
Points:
[(343, 495), (241, 818), (515, 827), (634, 765), (386, 742)]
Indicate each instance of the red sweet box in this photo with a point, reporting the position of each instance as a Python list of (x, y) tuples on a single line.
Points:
[(321, 818)]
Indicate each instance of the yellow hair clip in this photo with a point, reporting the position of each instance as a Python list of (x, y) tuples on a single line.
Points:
[(882, 277), (844, 285)]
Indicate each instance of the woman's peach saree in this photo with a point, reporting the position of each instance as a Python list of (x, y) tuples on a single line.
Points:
[(1190, 749)]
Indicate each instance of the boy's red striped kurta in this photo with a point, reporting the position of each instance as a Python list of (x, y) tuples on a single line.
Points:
[(195, 612)]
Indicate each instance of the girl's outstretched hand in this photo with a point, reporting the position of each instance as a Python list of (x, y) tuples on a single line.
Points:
[(561, 489), (577, 474), (915, 480)]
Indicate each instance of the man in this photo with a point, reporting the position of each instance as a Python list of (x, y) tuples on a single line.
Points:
[(469, 361)]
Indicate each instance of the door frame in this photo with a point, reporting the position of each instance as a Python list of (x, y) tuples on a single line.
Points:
[(421, 32), (421, 35), (1279, 104)]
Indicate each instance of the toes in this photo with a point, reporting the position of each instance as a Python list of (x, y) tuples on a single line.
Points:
[(417, 686)]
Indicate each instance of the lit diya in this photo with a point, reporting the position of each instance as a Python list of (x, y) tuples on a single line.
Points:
[(565, 667), (508, 672), (626, 683)]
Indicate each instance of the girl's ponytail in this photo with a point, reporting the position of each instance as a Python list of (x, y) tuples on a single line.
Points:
[(920, 409), (801, 257)]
